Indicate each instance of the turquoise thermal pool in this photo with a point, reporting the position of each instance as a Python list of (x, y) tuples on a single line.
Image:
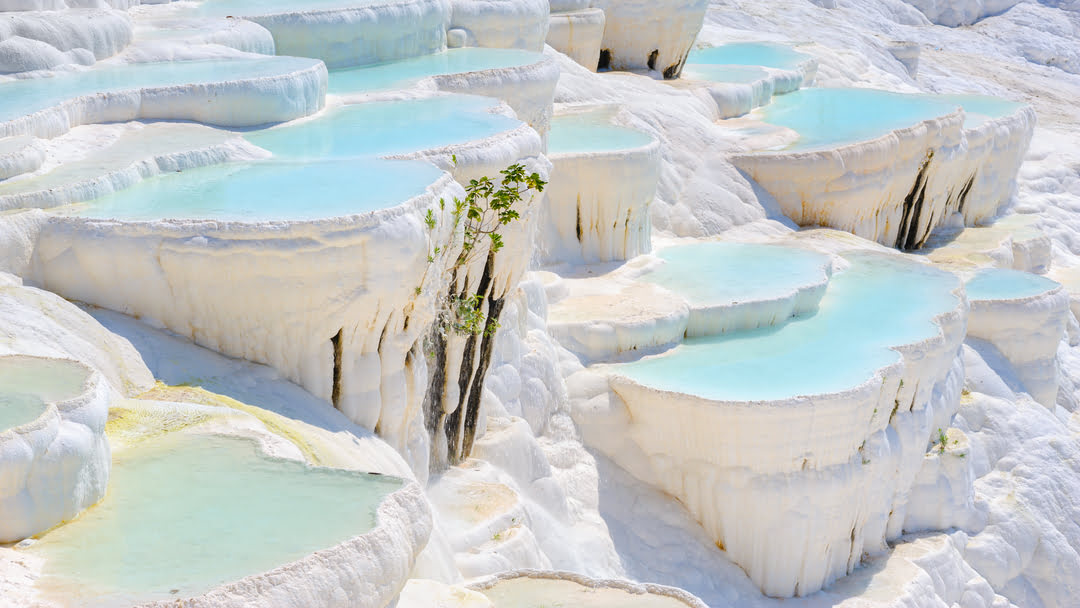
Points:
[(329, 164), (832, 117), (980, 108), (185, 513), (268, 190), (724, 273), (737, 74), (384, 128), (764, 54), (877, 303), (29, 384), (592, 132), (399, 74), (527, 592), (1004, 284), (24, 97)]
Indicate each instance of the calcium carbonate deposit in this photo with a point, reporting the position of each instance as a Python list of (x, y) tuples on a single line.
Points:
[(536, 303)]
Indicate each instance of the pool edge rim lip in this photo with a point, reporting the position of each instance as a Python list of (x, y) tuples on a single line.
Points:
[(318, 12), (939, 320), (613, 154), (626, 585), (59, 406), (1023, 300)]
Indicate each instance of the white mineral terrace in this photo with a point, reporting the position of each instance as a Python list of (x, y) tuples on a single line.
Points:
[(536, 303)]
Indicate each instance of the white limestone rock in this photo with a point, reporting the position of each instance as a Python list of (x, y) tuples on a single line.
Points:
[(650, 34), (578, 34), (503, 24)]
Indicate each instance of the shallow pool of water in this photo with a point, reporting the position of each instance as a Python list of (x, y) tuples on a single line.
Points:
[(23, 97), (877, 303), (268, 190), (765, 54), (399, 74), (525, 592), (724, 73), (1004, 284), (185, 513), (832, 117), (981, 108), (592, 132), (384, 128), (725, 273), (29, 384)]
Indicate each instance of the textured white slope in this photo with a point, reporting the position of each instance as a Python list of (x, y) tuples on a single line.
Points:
[(40, 41)]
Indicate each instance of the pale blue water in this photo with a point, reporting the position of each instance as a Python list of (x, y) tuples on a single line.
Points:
[(29, 384), (398, 74), (714, 273), (980, 108), (877, 303), (1004, 284), (385, 128), (251, 8), (724, 73), (23, 97), (592, 132), (831, 117), (765, 54), (268, 190), (191, 512)]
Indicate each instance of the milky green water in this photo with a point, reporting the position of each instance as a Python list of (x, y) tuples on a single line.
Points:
[(385, 128), (251, 8), (23, 97), (765, 54), (525, 592), (1004, 284), (722, 273), (29, 384), (185, 513), (592, 132), (877, 303), (981, 108), (399, 74), (724, 73), (832, 117)]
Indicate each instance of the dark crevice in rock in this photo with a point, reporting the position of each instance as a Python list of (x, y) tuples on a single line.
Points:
[(476, 391), (908, 236), (335, 391), (652, 59), (605, 60), (964, 192), (673, 70), (577, 226)]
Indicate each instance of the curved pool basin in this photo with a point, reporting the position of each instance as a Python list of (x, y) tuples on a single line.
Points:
[(530, 592), (247, 8), (1006, 284), (592, 131), (736, 74), (764, 54), (23, 97), (400, 74), (186, 513), (980, 108), (878, 303), (29, 384), (834, 117)]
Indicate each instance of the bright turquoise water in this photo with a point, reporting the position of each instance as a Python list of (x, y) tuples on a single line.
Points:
[(591, 132), (877, 303), (23, 97), (191, 512), (716, 273), (980, 108), (1004, 284), (29, 384), (724, 73), (385, 128), (831, 117), (268, 190), (765, 54), (401, 73), (251, 8)]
